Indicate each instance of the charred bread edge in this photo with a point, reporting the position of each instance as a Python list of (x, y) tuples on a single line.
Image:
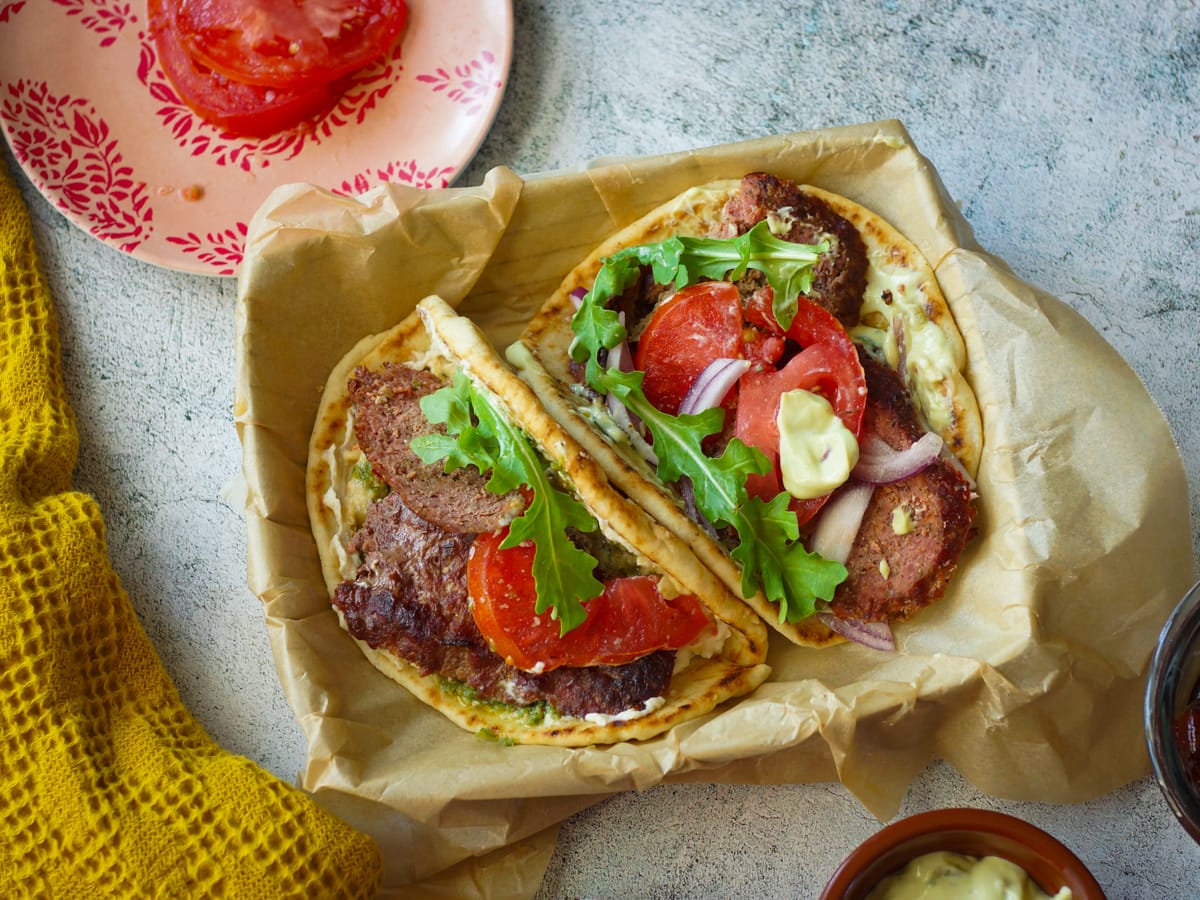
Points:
[(695, 690), (540, 356)]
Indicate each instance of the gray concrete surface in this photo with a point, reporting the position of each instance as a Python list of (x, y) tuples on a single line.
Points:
[(1069, 133)]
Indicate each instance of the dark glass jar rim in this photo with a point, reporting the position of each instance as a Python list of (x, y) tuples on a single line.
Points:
[(1169, 688)]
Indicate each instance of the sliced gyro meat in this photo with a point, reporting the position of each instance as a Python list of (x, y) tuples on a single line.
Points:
[(410, 596), (840, 276), (914, 530), (387, 416)]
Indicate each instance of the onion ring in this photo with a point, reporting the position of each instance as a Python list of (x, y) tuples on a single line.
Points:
[(879, 463), (839, 521), (712, 384)]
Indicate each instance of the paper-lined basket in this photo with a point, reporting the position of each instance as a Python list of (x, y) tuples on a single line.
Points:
[(1027, 676)]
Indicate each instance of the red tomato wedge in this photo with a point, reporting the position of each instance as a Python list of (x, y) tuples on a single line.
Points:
[(838, 371), (815, 324), (698, 324), (828, 365), (241, 109), (629, 620), (288, 43)]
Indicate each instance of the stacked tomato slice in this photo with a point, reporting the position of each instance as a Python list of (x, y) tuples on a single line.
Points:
[(707, 321), (256, 67), (626, 622)]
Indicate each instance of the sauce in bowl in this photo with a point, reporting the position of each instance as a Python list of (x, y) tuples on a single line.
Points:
[(942, 875)]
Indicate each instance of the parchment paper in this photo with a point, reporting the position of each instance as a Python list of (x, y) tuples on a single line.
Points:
[(1027, 677)]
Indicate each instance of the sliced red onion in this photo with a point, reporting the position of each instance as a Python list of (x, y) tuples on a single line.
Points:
[(577, 296), (833, 538), (712, 384), (879, 463), (631, 424), (876, 635), (620, 356), (643, 447), (838, 524)]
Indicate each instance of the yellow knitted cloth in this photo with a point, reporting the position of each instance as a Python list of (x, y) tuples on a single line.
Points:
[(108, 785)]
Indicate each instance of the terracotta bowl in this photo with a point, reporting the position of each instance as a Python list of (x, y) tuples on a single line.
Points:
[(1174, 672), (974, 832)]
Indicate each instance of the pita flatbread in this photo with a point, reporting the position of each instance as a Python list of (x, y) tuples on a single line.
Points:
[(437, 339), (904, 315)]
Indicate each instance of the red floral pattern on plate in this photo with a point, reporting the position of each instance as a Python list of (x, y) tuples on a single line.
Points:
[(126, 160), (222, 251), (8, 10), (72, 156), (104, 18), (470, 83), (397, 173)]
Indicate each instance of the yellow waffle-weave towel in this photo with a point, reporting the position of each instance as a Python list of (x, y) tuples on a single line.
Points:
[(108, 786)]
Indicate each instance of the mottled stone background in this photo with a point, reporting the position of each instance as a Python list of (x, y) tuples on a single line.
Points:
[(1067, 131)]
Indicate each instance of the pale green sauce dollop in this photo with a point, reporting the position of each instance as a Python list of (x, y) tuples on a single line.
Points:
[(816, 451), (954, 876)]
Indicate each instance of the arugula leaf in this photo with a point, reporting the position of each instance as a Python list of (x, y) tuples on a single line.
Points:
[(769, 551), (597, 328), (789, 574), (681, 261), (480, 435), (718, 483)]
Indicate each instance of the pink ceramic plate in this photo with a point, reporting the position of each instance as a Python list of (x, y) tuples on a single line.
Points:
[(99, 130)]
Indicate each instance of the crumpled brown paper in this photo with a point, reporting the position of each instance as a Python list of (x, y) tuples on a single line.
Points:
[(1027, 677)]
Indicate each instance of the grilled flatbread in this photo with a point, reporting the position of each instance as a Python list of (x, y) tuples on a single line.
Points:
[(903, 316), (436, 339)]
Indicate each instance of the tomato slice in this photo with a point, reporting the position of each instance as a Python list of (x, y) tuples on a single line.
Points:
[(629, 620), (288, 43), (815, 324), (240, 109), (828, 365), (763, 348), (698, 324)]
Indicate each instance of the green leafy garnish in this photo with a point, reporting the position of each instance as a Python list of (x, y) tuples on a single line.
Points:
[(769, 551), (718, 483), (681, 261), (789, 574), (480, 435)]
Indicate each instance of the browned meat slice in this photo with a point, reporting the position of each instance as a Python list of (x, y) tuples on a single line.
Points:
[(913, 531), (387, 416), (409, 596), (417, 573), (608, 689), (840, 276)]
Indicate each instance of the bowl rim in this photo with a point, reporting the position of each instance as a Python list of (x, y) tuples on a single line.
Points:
[(1160, 707), (911, 829)]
